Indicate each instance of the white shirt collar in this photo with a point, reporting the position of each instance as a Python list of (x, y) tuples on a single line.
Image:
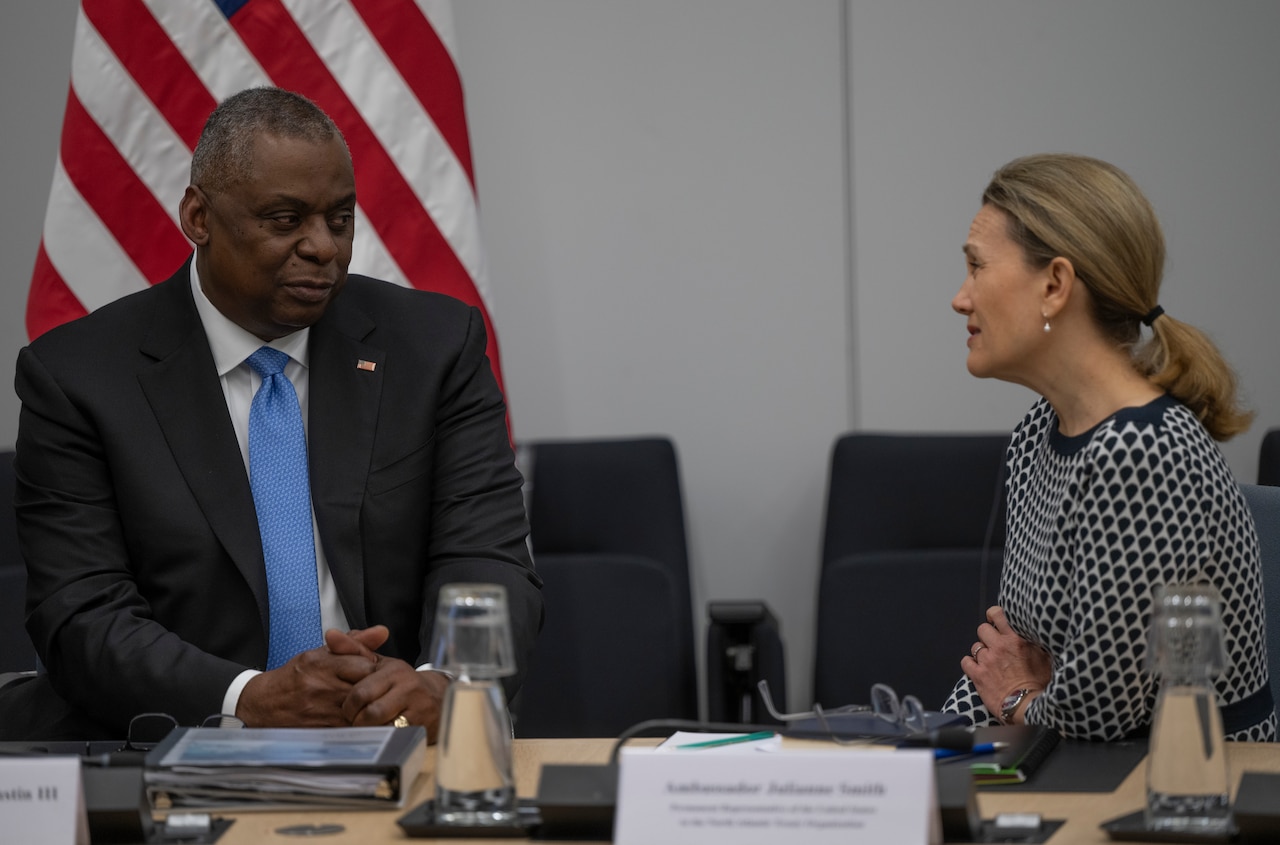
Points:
[(230, 343)]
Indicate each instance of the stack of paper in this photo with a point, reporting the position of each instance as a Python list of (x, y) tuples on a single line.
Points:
[(279, 767)]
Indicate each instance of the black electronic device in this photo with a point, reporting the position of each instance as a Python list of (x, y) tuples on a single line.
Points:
[(744, 647), (115, 801), (1257, 807), (116, 807), (577, 802), (958, 804)]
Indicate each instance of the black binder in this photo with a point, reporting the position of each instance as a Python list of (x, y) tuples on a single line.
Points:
[(280, 768), (1026, 749)]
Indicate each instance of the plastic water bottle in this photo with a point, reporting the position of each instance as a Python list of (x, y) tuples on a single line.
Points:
[(1187, 786)]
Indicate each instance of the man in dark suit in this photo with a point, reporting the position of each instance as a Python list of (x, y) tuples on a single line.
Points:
[(148, 589)]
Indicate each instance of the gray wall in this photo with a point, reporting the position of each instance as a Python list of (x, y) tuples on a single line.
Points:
[(739, 223), (1182, 95), (662, 191), (35, 69)]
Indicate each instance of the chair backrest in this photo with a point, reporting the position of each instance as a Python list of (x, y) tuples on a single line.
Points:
[(912, 491), (908, 568), (608, 537), (9, 554), (1264, 502), (1269, 459), (16, 651)]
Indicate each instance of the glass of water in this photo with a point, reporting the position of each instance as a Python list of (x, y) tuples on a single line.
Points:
[(472, 640), (1187, 785)]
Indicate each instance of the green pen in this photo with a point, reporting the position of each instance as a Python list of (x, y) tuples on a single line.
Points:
[(728, 740)]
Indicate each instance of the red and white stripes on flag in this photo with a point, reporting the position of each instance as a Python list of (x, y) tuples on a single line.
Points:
[(147, 73)]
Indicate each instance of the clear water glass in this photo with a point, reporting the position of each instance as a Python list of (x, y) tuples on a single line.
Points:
[(1187, 778), (474, 781), (472, 639)]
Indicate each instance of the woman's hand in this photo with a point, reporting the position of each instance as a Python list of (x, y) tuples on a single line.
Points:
[(1001, 662)]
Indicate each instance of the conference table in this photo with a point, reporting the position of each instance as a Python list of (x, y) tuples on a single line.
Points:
[(1082, 811)]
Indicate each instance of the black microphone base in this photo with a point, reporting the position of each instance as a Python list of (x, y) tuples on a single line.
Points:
[(577, 802)]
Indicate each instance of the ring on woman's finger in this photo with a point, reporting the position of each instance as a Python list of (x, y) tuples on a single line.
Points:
[(401, 721), (979, 647)]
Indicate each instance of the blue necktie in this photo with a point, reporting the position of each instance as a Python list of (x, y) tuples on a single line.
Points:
[(282, 497)]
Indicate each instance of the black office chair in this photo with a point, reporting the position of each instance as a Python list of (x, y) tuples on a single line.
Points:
[(16, 651), (1264, 503), (1269, 459), (608, 538), (911, 560)]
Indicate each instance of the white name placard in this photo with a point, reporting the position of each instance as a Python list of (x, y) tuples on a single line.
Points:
[(801, 797), (41, 800)]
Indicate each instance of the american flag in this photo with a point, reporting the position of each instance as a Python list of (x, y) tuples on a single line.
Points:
[(146, 74)]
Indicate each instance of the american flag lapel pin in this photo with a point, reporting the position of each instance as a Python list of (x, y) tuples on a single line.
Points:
[(367, 366)]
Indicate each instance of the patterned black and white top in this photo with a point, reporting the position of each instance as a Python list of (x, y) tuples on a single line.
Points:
[(1095, 522)]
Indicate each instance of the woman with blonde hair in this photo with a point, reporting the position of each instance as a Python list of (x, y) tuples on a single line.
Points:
[(1115, 484)]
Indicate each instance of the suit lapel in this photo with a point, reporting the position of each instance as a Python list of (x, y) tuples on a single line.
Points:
[(342, 414), (185, 395)]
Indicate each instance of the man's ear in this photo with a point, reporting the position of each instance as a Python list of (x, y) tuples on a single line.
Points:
[(1059, 283), (193, 215)]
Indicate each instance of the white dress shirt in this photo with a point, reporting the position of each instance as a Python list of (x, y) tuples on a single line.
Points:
[(231, 345)]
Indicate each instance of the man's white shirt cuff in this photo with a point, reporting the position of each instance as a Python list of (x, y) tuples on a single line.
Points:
[(232, 698)]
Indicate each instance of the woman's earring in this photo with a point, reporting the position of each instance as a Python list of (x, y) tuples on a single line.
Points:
[(1046, 322)]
